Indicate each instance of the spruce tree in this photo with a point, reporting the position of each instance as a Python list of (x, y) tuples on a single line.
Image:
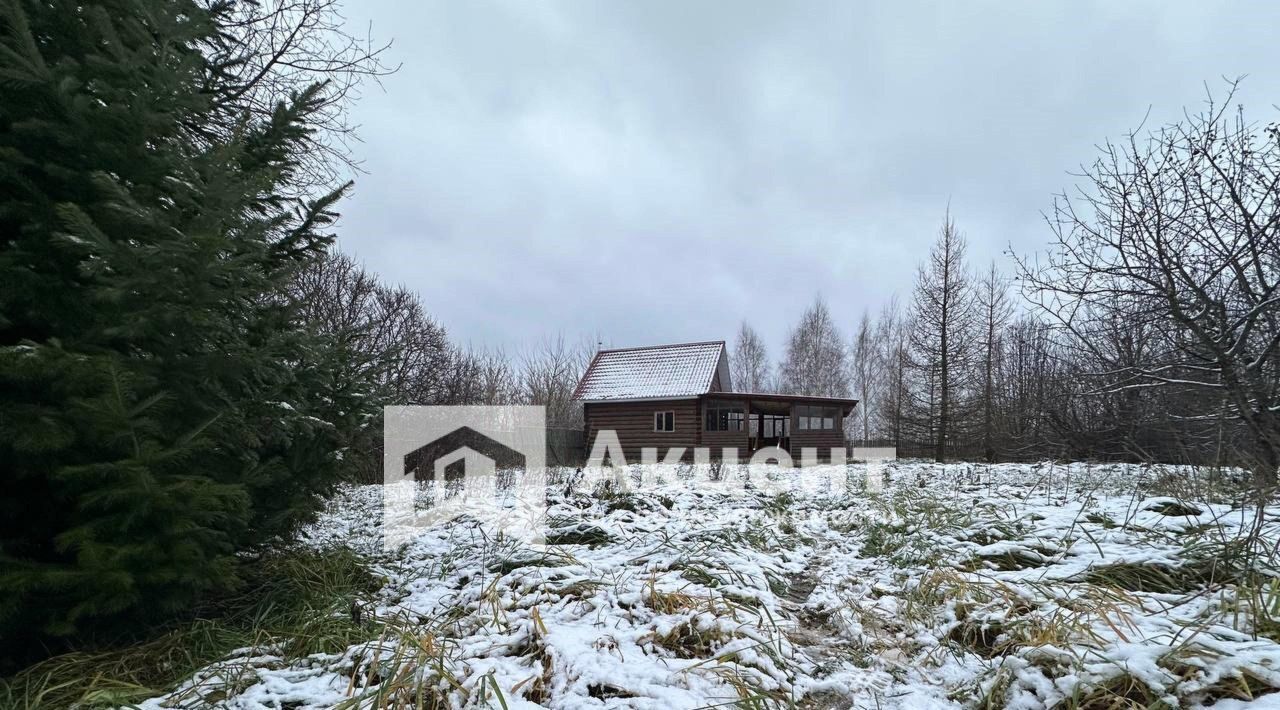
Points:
[(159, 414)]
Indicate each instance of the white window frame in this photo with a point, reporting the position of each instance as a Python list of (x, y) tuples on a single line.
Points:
[(659, 420)]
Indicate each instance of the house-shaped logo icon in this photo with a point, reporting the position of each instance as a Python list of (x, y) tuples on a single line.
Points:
[(460, 453), (444, 462)]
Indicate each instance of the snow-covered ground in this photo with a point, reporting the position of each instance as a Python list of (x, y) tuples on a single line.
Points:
[(1021, 586)]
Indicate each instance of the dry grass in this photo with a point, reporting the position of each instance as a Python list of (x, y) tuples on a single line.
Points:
[(295, 603)]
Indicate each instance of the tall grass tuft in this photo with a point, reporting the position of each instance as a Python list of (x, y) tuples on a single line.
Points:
[(295, 602)]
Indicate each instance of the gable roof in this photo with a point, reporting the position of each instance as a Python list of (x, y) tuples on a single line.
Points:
[(655, 372)]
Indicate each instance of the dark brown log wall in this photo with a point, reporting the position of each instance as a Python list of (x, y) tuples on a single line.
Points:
[(823, 440), (718, 440), (633, 421)]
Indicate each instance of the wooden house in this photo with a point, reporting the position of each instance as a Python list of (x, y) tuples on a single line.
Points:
[(681, 395)]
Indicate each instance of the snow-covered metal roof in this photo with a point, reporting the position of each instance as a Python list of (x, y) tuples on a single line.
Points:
[(654, 372)]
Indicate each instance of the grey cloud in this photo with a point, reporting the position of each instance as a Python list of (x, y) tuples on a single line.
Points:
[(659, 171)]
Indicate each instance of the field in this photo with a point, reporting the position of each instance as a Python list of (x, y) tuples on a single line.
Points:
[(1020, 586)]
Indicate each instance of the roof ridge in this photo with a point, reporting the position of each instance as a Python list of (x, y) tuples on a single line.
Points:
[(667, 345)]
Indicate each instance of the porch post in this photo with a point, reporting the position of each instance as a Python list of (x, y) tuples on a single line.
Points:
[(759, 429), (784, 442)]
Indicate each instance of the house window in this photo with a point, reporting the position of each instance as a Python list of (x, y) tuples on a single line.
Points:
[(816, 418), (725, 419), (775, 426), (664, 421)]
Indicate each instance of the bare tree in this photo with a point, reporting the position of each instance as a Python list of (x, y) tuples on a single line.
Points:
[(816, 359), (493, 378), (386, 335), (943, 314), (749, 365), (994, 311), (479, 376), (460, 378), (1033, 392), (866, 368), (1178, 231), (892, 339), (549, 373), (266, 52), (391, 351)]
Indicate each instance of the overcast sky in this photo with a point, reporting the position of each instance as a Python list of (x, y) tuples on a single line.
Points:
[(657, 172)]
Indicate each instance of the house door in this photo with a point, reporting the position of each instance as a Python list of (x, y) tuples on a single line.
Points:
[(771, 430)]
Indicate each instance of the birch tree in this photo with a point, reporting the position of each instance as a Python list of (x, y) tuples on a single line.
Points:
[(749, 365), (815, 363), (892, 338), (865, 365)]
